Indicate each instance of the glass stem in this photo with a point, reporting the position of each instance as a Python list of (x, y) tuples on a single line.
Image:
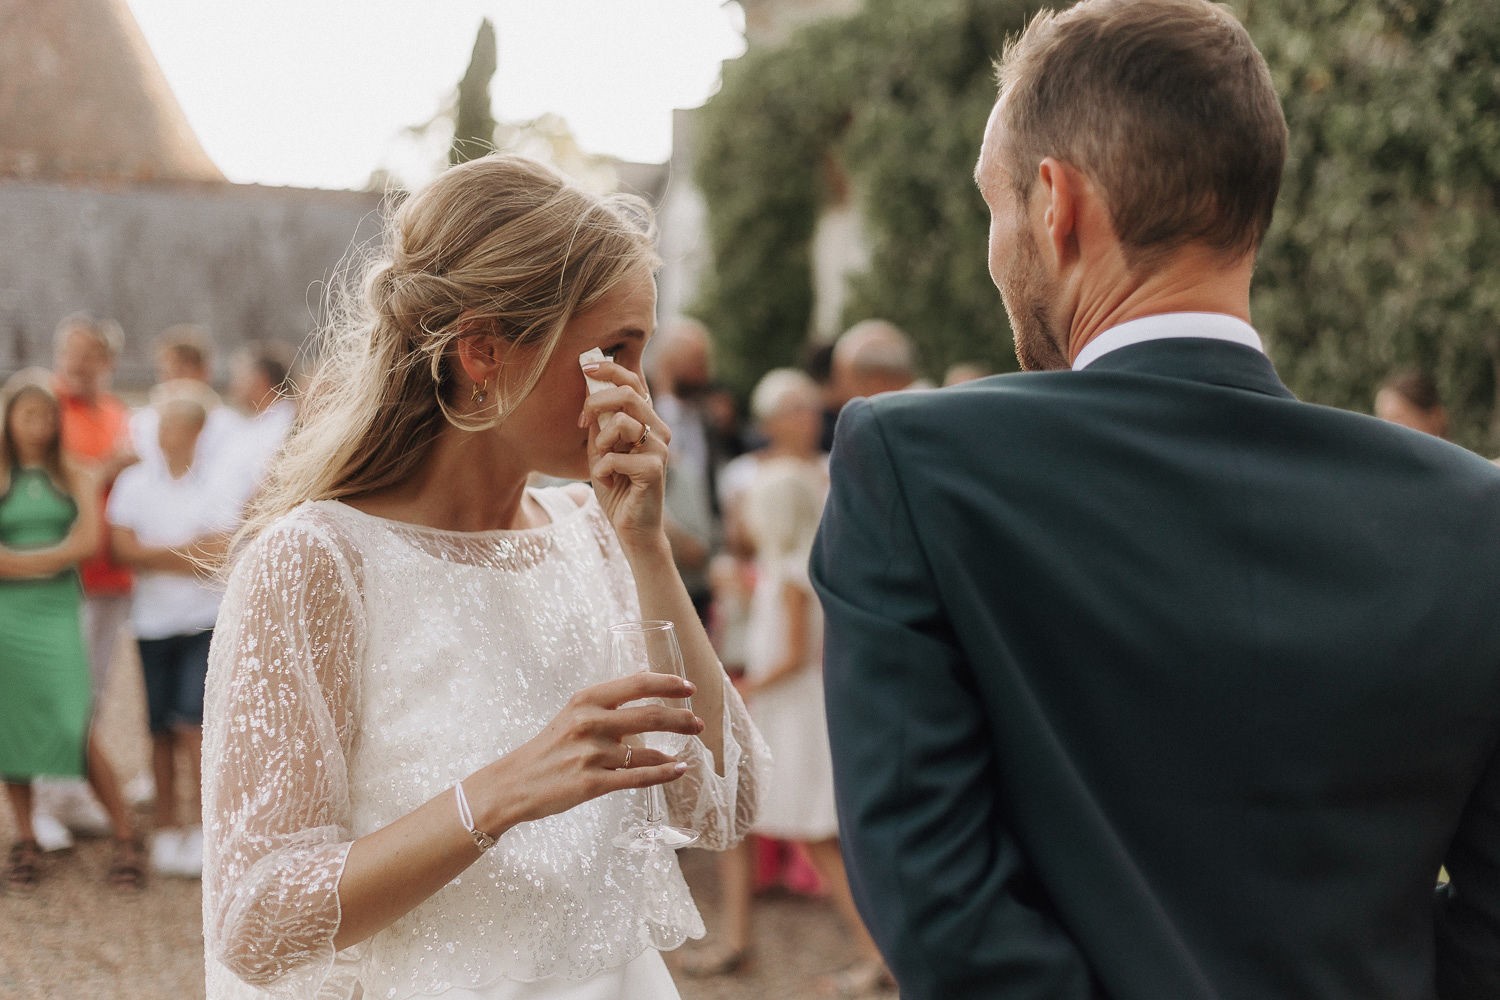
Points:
[(656, 806)]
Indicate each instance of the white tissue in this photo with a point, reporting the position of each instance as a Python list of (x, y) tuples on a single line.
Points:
[(591, 357)]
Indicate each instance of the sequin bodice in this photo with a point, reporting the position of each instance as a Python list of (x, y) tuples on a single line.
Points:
[(427, 654)]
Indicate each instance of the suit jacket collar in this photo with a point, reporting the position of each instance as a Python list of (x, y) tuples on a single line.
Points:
[(1212, 362)]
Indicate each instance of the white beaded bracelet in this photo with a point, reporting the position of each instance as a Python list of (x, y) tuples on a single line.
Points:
[(482, 840)]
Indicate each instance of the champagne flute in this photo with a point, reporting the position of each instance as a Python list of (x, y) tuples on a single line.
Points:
[(652, 645)]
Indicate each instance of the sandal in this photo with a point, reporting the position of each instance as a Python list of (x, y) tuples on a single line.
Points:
[(127, 870), (706, 962), (23, 870), (862, 979)]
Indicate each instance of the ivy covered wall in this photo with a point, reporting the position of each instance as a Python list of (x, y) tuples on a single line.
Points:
[(1384, 252)]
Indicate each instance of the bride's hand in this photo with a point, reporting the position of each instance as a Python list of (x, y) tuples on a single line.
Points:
[(627, 454), (581, 754)]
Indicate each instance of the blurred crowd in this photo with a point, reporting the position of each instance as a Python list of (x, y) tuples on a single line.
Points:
[(111, 521)]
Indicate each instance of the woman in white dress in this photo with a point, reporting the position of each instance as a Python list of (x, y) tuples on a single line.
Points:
[(411, 663), (777, 500)]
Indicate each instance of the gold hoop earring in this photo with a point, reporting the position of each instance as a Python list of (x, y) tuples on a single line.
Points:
[(480, 393)]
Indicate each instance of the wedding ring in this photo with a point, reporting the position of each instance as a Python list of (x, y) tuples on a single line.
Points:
[(642, 439), (627, 757)]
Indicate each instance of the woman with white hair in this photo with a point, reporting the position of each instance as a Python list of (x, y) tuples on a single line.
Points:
[(775, 505), (787, 408), (416, 758)]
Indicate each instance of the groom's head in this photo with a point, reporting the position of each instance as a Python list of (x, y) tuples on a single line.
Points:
[(1159, 114)]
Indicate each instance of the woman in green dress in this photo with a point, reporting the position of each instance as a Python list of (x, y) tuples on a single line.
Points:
[(49, 520)]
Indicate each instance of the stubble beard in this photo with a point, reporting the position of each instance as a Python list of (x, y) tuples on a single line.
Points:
[(1028, 295)]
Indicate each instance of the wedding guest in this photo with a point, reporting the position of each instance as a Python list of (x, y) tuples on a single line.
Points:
[(787, 409), (184, 354), (1144, 678), (96, 432), (817, 362), (1410, 398), (165, 520), (784, 688), (680, 365), (48, 525), (965, 371), (726, 430), (260, 384), (871, 357), (416, 758), (96, 429)]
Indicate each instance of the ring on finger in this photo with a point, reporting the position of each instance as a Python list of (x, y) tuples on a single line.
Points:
[(645, 434), (628, 751)]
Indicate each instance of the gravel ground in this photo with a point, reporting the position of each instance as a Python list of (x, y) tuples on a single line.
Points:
[(76, 937)]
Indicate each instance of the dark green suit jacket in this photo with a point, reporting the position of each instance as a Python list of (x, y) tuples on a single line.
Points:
[(1151, 682)]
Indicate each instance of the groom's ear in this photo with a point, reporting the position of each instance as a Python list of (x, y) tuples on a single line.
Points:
[(1056, 209)]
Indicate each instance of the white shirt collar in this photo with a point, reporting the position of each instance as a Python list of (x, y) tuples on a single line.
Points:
[(1168, 326)]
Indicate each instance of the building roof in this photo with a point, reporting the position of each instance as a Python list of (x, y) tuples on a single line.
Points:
[(82, 98)]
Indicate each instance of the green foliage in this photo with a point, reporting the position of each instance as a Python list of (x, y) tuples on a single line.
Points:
[(912, 146), (896, 98), (759, 161), (473, 122), (1384, 249), (1382, 255)]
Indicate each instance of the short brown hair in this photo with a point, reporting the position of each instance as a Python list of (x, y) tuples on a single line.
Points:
[(1165, 104), (188, 343), (273, 361), (1416, 387)]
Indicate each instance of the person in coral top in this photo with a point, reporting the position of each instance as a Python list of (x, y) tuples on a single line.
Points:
[(96, 435), (96, 430)]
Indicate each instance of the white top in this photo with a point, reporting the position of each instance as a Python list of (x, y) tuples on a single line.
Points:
[(164, 512), (1169, 326), (360, 667), (738, 475), (242, 465), (736, 478)]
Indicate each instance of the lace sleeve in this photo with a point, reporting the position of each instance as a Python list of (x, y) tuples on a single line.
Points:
[(277, 729), (722, 808)]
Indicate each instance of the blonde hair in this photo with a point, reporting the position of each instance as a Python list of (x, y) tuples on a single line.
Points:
[(501, 245), (779, 387), (104, 332), (181, 395)]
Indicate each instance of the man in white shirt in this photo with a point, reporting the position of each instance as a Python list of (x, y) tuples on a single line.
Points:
[(1144, 678), (260, 384)]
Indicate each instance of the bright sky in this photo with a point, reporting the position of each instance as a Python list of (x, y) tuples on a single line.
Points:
[(317, 93)]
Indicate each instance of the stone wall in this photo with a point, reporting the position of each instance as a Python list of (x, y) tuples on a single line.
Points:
[(244, 261)]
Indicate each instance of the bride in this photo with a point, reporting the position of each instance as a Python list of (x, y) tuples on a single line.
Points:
[(411, 661)]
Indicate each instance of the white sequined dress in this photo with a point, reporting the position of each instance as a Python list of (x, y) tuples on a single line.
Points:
[(362, 666)]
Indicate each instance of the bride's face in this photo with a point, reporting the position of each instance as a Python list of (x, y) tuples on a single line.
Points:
[(544, 427)]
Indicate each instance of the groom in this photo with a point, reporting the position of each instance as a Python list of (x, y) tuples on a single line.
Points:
[(1145, 679)]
